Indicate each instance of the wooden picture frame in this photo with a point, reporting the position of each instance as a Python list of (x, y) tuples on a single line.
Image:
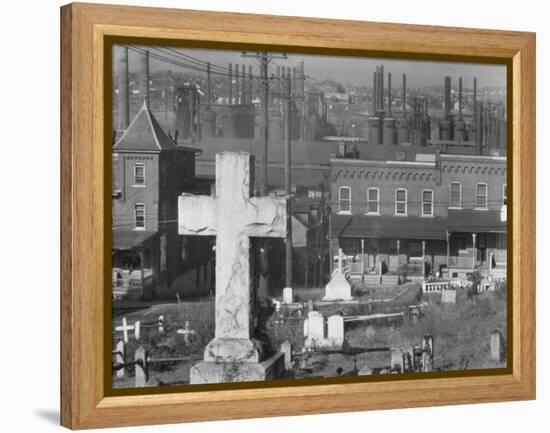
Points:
[(85, 215)]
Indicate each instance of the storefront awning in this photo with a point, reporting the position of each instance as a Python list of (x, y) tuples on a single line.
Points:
[(476, 221), (128, 239), (407, 227)]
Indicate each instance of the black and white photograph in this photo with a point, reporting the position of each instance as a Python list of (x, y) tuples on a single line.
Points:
[(285, 216)]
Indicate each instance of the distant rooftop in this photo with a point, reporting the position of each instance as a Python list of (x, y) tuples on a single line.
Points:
[(146, 135)]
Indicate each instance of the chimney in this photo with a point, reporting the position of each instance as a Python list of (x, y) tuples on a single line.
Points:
[(144, 77), (121, 78), (230, 87)]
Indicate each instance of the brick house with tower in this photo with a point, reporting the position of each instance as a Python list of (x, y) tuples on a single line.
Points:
[(149, 258)]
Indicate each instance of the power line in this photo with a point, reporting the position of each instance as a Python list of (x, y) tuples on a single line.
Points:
[(193, 65)]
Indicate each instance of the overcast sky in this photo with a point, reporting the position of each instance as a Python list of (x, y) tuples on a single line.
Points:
[(353, 70)]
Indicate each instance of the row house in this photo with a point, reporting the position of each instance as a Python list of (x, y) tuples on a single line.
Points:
[(438, 213)]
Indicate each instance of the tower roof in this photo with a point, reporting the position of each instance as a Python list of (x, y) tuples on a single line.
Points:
[(144, 134)]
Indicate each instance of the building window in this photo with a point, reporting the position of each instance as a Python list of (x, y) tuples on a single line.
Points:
[(427, 202), (455, 195), (373, 204), (481, 196), (401, 201), (504, 195), (139, 215), (344, 199), (139, 174)]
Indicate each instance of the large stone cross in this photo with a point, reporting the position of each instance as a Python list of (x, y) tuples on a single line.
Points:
[(233, 216)]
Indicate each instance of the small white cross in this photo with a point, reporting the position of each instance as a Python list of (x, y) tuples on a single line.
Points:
[(124, 328), (340, 259), (186, 332)]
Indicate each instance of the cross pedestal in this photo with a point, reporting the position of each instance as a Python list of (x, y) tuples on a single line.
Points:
[(233, 216)]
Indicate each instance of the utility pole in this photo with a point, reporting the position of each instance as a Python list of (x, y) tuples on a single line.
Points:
[(264, 58), (230, 86), (288, 183), (208, 84)]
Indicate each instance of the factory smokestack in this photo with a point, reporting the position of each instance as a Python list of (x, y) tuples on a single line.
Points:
[(279, 86), (374, 92), (294, 75), (403, 131), (249, 91), (301, 79), (447, 97), (460, 98), (230, 85), (404, 97), (389, 95), (381, 88), (121, 79), (460, 125), (144, 77), (243, 84)]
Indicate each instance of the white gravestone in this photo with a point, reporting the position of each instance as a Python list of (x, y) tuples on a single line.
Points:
[(286, 348), (448, 296), (233, 216), (338, 288), (316, 325), (336, 329), (287, 295), (317, 338), (397, 360), (496, 346)]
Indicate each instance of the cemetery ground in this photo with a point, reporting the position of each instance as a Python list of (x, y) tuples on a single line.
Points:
[(462, 331)]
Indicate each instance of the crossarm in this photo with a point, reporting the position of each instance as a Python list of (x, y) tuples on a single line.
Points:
[(266, 217), (197, 215)]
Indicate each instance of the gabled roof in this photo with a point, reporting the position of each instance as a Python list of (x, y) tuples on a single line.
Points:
[(144, 134)]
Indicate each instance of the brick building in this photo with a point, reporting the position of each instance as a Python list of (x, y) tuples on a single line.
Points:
[(149, 258), (419, 213)]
